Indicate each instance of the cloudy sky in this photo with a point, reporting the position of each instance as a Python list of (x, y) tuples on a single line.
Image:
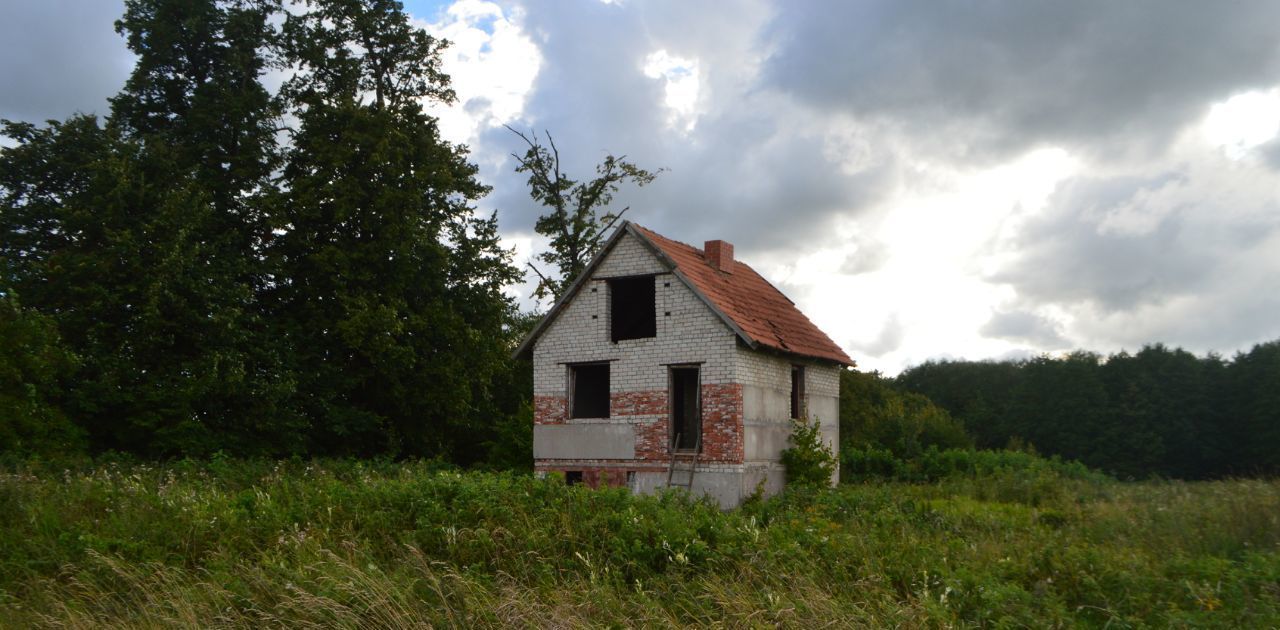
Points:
[(976, 179)]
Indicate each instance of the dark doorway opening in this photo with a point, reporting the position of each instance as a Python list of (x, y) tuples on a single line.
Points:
[(632, 309), (797, 391), (572, 477), (686, 408), (589, 387)]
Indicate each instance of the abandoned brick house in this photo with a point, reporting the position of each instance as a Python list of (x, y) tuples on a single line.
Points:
[(666, 365)]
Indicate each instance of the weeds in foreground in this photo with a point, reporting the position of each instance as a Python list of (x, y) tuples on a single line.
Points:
[(357, 544)]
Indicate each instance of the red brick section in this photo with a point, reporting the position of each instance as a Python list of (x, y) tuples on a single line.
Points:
[(650, 403), (763, 313), (653, 440), (651, 436), (722, 423), (550, 409)]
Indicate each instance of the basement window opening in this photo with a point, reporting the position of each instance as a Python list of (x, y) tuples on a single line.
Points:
[(632, 310), (797, 391), (589, 390)]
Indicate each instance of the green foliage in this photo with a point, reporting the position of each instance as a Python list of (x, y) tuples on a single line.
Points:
[(512, 444), (1160, 411), (33, 363), (392, 311), (870, 462), (346, 543), (1251, 411), (143, 239), (874, 415), (809, 461), (335, 294), (573, 222)]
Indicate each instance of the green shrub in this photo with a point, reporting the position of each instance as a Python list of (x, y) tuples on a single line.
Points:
[(809, 461), (934, 464)]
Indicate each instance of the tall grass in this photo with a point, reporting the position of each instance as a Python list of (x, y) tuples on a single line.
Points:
[(356, 544)]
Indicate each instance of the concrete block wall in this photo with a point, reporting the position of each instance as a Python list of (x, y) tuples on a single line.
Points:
[(766, 395)]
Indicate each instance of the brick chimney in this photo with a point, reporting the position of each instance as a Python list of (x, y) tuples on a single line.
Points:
[(720, 255)]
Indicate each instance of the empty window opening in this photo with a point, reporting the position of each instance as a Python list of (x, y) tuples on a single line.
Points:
[(572, 477), (686, 408), (632, 308), (797, 391), (589, 390)]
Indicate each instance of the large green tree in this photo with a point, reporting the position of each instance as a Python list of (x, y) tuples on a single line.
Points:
[(143, 238), (390, 285)]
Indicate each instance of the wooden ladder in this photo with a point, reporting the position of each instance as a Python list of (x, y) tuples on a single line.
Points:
[(693, 464)]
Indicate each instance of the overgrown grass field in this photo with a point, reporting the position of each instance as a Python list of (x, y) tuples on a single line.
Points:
[(357, 544)]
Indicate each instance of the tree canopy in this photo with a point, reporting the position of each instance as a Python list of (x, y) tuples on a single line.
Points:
[(1161, 411), (258, 272)]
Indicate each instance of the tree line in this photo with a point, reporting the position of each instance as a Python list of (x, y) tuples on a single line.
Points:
[(219, 266), (1158, 412)]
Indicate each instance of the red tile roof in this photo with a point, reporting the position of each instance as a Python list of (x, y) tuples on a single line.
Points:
[(760, 311)]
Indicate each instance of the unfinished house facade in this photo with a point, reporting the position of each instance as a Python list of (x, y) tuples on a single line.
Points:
[(667, 365)]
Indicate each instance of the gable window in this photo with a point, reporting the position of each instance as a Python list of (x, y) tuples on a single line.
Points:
[(797, 391), (589, 390), (632, 308)]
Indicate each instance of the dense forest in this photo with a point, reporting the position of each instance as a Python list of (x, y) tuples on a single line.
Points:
[(1161, 411)]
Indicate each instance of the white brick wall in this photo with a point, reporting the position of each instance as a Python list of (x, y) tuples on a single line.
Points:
[(691, 334), (772, 371)]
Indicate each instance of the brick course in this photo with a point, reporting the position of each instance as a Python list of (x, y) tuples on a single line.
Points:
[(550, 409), (722, 423)]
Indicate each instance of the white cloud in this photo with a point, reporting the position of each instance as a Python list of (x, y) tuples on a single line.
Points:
[(680, 77), (493, 64), (1243, 122)]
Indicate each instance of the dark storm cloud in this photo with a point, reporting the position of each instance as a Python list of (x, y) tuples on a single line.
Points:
[(1198, 266), (1069, 255), (59, 57), (1066, 257), (984, 79), (750, 171)]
